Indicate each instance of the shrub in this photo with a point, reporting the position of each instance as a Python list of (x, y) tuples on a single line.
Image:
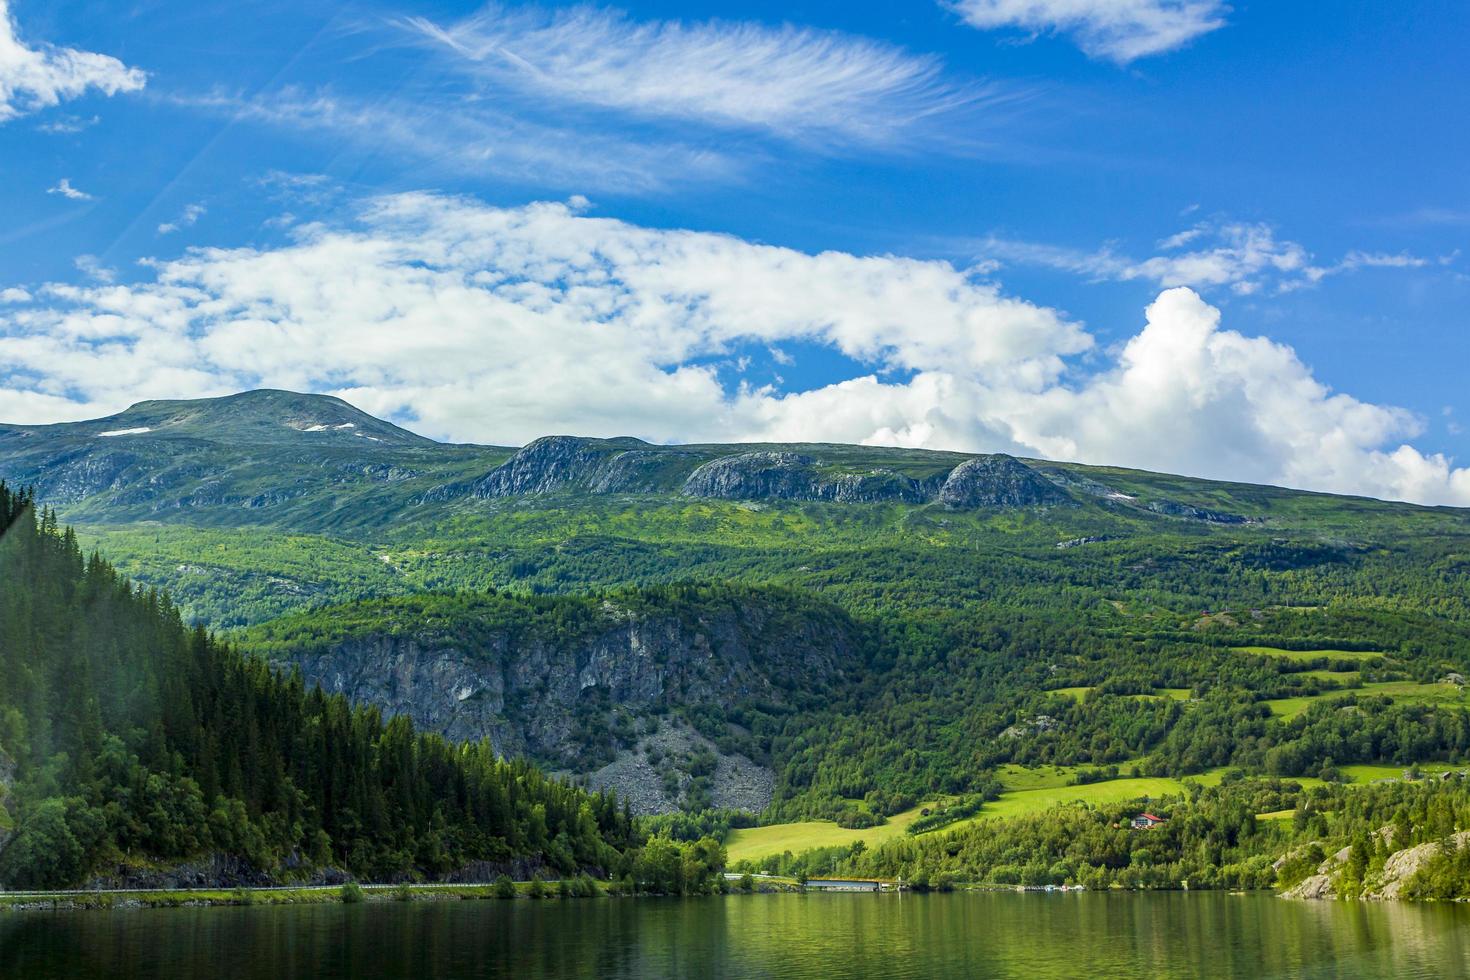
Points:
[(352, 893), (504, 887)]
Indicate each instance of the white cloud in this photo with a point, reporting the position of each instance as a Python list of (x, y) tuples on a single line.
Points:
[(1245, 258), (191, 214), (1187, 395), (502, 324), (794, 81), (65, 189), (479, 138), (34, 78), (1120, 30), (92, 267)]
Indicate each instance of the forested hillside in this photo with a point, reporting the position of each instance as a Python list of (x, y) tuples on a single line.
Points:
[(984, 611), (130, 743)]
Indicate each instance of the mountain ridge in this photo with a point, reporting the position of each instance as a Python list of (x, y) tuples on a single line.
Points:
[(254, 451)]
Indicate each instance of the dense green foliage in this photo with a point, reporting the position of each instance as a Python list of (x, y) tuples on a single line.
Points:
[(137, 740), (1007, 634), (1210, 838)]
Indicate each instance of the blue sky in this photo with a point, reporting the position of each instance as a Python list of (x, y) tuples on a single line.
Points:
[(925, 224)]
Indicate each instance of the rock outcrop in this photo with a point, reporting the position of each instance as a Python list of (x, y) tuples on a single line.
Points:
[(1171, 508), (796, 476), (577, 701), (1398, 870), (998, 481), (556, 464)]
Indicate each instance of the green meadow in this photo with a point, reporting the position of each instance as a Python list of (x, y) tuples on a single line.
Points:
[(1028, 790), (1401, 692), (1306, 656)]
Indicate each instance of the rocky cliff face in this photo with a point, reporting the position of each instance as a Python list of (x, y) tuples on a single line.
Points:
[(580, 702), (1170, 508), (566, 463), (794, 476), (998, 481)]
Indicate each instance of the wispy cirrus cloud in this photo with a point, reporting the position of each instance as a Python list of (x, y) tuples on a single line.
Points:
[(795, 82), (1244, 257), (478, 138), (68, 125), (41, 76), (1118, 30)]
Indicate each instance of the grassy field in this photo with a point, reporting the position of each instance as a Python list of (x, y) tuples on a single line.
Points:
[(1301, 656), (1028, 791), (754, 843), (1172, 693), (1336, 676), (1016, 778), (1372, 773), (1403, 692)]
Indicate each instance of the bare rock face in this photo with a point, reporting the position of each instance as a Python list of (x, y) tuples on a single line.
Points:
[(577, 701), (638, 774), (559, 464), (1171, 508), (1398, 870), (998, 481), (1401, 866), (795, 476)]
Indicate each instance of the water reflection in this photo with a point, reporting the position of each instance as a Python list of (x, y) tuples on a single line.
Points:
[(982, 935)]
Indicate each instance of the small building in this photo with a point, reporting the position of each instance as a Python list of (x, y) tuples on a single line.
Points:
[(1146, 821)]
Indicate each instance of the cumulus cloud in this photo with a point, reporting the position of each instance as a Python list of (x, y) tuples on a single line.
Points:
[(39, 77), (1244, 257), (1120, 30), (1188, 395), (794, 81), (503, 324), (65, 189)]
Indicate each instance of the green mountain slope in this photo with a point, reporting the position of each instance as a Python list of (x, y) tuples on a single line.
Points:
[(1006, 611)]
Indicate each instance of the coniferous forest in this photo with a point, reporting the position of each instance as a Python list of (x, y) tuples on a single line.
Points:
[(130, 740)]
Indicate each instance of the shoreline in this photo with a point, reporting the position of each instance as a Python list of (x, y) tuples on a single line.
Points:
[(160, 898), (157, 898)]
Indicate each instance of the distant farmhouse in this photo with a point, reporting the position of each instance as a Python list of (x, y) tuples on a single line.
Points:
[(1146, 821)]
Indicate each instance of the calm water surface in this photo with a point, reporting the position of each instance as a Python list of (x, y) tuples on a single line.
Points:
[(829, 936)]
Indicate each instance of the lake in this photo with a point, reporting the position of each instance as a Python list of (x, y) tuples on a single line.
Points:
[(832, 935)]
